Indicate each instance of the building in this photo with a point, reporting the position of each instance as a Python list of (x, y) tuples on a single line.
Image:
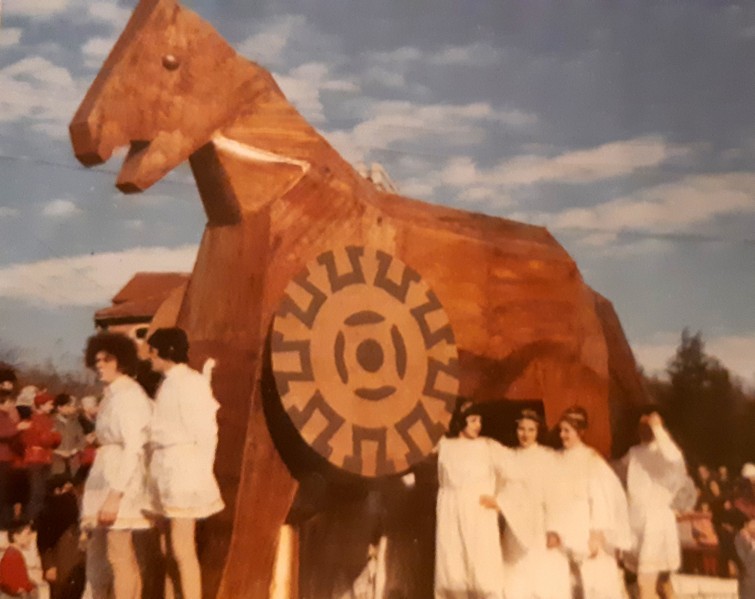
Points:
[(136, 304)]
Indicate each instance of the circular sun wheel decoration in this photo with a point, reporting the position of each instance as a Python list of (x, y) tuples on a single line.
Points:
[(365, 361)]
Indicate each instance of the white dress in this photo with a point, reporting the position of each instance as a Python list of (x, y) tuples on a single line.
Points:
[(468, 559), (525, 502), (183, 439), (120, 463), (655, 474), (590, 498)]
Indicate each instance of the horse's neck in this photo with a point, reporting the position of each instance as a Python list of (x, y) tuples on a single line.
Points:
[(262, 153), (257, 160)]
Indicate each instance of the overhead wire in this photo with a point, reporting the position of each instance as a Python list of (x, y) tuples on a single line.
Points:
[(673, 236)]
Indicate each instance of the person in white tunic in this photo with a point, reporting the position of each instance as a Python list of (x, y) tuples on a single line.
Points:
[(656, 473), (183, 439), (590, 522), (115, 493), (529, 493), (468, 559)]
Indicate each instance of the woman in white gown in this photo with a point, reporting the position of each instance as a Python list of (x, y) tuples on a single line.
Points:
[(116, 494), (589, 522), (183, 438), (529, 493), (468, 559)]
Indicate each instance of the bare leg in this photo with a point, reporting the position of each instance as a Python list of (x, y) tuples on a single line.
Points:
[(184, 550), (127, 580), (99, 573), (170, 574), (648, 585), (665, 588)]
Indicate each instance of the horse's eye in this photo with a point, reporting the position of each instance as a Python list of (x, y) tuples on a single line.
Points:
[(171, 62)]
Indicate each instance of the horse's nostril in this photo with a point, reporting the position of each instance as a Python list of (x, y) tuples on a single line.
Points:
[(170, 62)]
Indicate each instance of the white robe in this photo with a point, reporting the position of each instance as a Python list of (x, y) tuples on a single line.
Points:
[(468, 559), (590, 498), (655, 474), (183, 438), (531, 570), (120, 463)]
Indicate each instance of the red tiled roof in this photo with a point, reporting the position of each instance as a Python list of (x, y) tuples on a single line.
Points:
[(142, 295)]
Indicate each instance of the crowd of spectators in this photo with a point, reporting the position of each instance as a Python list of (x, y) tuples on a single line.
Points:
[(47, 446), (725, 504)]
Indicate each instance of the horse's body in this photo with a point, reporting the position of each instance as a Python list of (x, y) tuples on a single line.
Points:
[(277, 195)]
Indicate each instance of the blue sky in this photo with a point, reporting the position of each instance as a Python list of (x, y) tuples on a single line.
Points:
[(625, 128)]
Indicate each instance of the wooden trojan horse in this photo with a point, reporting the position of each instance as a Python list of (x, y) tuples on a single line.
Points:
[(349, 315)]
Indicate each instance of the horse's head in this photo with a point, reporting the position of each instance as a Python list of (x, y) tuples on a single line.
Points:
[(168, 83)]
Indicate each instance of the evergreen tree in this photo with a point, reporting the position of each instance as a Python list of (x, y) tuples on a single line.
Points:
[(702, 403)]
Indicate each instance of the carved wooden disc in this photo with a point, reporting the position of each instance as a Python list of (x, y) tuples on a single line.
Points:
[(365, 361)]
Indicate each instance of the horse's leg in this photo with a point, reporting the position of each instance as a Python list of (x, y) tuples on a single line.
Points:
[(266, 492)]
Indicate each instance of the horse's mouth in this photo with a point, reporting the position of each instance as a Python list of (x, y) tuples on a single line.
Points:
[(130, 169)]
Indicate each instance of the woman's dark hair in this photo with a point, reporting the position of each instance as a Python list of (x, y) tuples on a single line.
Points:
[(7, 374), (464, 407), (8, 382), (63, 399), (171, 344), (18, 526), (120, 347)]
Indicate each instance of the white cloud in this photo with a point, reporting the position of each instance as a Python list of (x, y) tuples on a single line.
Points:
[(269, 45), (471, 55), (419, 188), (735, 352), (35, 8), (60, 208), (398, 56), (40, 90), (108, 12), (480, 195), (7, 212), (669, 208), (385, 77), (9, 36), (304, 84), (88, 280), (390, 122), (96, 49), (460, 171), (608, 161)]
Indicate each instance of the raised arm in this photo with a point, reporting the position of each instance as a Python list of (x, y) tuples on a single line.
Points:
[(668, 449)]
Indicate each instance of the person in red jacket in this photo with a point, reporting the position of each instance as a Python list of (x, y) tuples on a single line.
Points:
[(8, 430), (14, 577), (39, 438)]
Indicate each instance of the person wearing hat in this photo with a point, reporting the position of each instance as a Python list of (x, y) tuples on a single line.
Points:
[(8, 432), (116, 494), (25, 401), (468, 558), (183, 439), (39, 438), (589, 522)]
